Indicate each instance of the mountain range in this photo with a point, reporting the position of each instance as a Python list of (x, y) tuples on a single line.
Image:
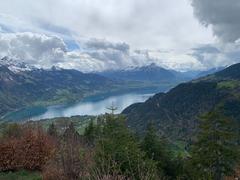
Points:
[(176, 113), (22, 85), (155, 73), (150, 72)]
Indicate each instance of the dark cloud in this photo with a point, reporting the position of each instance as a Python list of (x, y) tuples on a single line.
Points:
[(99, 44), (204, 53), (222, 15), (206, 49), (217, 55)]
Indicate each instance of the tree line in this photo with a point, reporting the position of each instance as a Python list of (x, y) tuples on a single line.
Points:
[(109, 150)]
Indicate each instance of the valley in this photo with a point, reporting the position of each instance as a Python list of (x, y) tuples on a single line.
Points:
[(171, 110), (120, 90), (27, 91), (92, 105)]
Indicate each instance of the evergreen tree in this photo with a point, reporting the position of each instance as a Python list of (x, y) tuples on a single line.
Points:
[(90, 132), (215, 154), (157, 150), (118, 151)]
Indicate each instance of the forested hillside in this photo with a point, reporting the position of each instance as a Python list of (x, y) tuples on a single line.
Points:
[(177, 112)]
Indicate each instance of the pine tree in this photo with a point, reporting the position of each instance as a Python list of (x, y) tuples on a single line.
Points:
[(89, 132), (118, 151), (156, 149), (215, 154)]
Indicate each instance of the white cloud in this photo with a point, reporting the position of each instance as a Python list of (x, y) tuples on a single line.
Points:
[(145, 24), (81, 61), (45, 51), (96, 28), (178, 60), (35, 49)]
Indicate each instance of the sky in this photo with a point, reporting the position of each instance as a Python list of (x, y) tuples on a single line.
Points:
[(94, 35)]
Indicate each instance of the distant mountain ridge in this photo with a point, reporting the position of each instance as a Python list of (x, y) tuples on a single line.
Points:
[(151, 72), (156, 73), (176, 112)]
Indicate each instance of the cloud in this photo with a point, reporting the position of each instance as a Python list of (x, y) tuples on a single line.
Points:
[(222, 15), (100, 54), (97, 55), (82, 61), (102, 44), (140, 23), (115, 55), (95, 35), (217, 55), (36, 49), (177, 60), (45, 51)]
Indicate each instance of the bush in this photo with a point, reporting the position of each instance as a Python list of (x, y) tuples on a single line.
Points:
[(29, 151)]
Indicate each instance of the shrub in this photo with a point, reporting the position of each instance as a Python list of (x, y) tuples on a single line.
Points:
[(29, 151)]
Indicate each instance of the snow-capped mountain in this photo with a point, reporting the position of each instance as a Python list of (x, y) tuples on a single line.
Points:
[(15, 65)]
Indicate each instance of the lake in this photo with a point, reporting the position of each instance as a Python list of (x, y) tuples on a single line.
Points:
[(94, 105)]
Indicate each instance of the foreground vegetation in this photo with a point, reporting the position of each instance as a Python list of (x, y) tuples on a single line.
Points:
[(20, 175), (108, 150)]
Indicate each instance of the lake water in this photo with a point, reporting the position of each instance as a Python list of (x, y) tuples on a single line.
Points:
[(94, 105)]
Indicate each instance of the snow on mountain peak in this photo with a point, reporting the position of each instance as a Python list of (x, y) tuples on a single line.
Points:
[(15, 65)]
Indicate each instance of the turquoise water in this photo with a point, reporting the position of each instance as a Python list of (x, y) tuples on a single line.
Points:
[(94, 105)]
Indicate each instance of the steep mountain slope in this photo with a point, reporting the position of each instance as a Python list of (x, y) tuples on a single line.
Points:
[(42, 87), (176, 113)]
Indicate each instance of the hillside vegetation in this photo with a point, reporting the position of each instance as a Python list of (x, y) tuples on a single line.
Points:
[(176, 113), (108, 149)]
